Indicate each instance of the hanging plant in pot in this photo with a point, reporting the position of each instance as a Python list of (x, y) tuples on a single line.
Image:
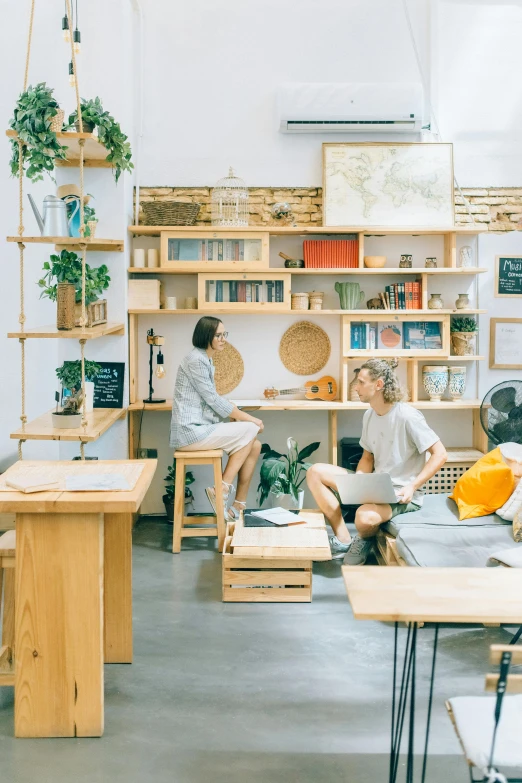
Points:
[(281, 475), (463, 336), (36, 120), (66, 269), (109, 134), (170, 483), (70, 376)]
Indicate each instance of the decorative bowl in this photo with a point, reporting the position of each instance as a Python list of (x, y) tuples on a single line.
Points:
[(374, 262)]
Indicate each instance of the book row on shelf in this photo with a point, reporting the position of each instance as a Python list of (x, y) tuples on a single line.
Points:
[(243, 291), (412, 335), (214, 250), (402, 296), (331, 253)]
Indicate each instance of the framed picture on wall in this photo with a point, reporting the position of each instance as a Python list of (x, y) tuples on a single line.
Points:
[(508, 276), (393, 184), (505, 344)]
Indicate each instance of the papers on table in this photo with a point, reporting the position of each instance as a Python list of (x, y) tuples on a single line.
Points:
[(96, 482), (278, 516)]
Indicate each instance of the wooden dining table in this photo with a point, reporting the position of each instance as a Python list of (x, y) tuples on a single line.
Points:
[(73, 598)]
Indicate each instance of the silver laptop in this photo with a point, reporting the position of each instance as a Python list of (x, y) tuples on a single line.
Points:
[(358, 488)]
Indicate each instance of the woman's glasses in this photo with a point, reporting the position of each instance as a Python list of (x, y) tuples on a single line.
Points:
[(221, 335)]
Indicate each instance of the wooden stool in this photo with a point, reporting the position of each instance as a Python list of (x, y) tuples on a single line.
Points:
[(7, 582), (184, 525)]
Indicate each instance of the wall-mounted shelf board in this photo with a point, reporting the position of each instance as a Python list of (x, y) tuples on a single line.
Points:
[(73, 242), (306, 405), (163, 270), (94, 153), (51, 332), (477, 228), (258, 308), (99, 421)]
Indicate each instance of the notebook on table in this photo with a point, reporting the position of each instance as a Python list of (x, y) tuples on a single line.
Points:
[(271, 517)]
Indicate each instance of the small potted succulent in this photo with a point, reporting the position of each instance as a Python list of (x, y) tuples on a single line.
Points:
[(170, 483), (109, 134), (70, 376), (463, 336), (37, 119), (281, 475)]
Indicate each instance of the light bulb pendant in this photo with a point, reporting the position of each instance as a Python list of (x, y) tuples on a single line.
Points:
[(77, 39), (160, 368), (72, 75)]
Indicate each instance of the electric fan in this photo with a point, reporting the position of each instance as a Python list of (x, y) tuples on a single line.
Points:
[(501, 413)]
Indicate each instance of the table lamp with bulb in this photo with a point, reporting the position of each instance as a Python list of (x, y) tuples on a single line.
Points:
[(155, 340)]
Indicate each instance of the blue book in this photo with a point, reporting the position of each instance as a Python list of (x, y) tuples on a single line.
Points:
[(219, 290), (189, 249)]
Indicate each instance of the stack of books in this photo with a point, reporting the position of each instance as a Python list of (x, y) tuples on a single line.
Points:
[(410, 335), (364, 336), (214, 250), (331, 253), (242, 291), (402, 296)]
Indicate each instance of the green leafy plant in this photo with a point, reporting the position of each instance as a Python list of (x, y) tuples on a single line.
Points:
[(34, 110), (89, 213), (284, 473), (170, 482), (464, 324), (67, 268), (109, 134), (70, 376)]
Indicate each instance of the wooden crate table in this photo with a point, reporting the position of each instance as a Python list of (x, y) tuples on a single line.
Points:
[(271, 564), (73, 596), (433, 595)]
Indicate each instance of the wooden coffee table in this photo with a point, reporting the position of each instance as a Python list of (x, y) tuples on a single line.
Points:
[(271, 564)]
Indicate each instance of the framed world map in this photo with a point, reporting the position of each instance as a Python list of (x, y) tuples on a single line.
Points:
[(388, 184)]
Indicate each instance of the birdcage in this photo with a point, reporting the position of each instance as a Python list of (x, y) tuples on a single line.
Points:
[(230, 202)]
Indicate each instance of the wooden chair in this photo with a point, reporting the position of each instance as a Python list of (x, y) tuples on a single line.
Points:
[(487, 741), (186, 525), (7, 590)]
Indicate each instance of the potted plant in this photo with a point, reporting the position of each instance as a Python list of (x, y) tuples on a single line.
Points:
[(67, 268), (109, 134), (36, 119), (170, 483), (90, 220), (281, 475), (70, 376), (463, 336)]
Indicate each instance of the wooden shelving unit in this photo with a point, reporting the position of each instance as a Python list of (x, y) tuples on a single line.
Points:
[(51, 332), (95, 154), (99, 421), (104, 245), (217, 270)]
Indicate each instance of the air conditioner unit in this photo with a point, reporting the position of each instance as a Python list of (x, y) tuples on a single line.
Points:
[(350, 108)]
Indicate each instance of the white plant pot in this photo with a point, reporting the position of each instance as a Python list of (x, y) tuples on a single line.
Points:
[(89, 396), (286, 501), (68, 421)]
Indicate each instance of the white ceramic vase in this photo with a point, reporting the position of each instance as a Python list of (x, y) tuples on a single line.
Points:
[(435, 380), (286, 501), (457, 383)]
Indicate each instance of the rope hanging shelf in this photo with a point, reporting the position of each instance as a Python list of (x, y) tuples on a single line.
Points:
[(83, 150)]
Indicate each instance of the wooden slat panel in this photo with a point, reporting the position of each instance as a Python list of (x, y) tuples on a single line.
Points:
[(514, 683), (199, 531), (271, 595), (496, 650), (303, 578), (117, 589), (234, 561)]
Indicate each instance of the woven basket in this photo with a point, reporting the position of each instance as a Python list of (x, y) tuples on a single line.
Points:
[(300, 301), (316, 300), (57, 121), (65, 296), (229, 369), (304, 348), (463, 343), (170, 213)]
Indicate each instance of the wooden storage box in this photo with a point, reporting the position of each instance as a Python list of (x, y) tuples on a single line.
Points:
[(95, 312), (207, 251), (144, 294), (252, 579), (238, 292)]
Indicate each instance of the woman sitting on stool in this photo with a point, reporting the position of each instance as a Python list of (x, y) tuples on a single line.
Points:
[(198, 412)]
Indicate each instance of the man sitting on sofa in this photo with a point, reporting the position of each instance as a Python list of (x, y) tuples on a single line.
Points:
[(395, 439)]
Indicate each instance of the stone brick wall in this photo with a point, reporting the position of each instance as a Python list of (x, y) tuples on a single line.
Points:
[(499, 208)]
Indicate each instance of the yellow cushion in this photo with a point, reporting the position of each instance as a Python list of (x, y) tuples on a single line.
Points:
[(485, 487)]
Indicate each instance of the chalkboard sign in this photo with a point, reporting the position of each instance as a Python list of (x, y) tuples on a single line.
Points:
[(108, 385), (508, 278)]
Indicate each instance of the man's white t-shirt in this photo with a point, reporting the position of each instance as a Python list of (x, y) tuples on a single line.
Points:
[(398, 441)]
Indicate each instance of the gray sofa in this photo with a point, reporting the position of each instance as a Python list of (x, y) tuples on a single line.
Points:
[(435, 537)]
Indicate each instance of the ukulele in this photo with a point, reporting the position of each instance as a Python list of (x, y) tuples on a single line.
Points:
[(324, 389)]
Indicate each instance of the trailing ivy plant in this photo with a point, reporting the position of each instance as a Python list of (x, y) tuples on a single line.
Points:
[(109, 134), (32, 117), (67, 268)]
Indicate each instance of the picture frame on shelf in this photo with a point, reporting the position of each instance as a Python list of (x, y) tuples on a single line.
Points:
[(395, 184), (508, 276), (505, 344)]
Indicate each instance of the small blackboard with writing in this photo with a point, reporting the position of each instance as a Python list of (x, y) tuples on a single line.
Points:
[(108, 385), (509, 276)]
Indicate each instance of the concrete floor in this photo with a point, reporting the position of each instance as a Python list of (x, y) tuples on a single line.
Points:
[(223, 693)]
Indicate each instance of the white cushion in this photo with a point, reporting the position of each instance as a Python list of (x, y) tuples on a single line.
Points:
[(512, 504), (474, 721), (509, 557)]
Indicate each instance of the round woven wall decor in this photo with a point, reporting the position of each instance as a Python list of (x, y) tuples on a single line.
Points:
[(229, 369), (304, 348)]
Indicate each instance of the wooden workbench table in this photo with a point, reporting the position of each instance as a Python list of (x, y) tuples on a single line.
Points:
[(73, 601)]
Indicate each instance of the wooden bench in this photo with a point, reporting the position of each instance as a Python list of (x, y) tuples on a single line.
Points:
[(269, 564), (7, 591)]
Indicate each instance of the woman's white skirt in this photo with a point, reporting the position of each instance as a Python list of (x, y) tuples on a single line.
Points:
[(231, 436)]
